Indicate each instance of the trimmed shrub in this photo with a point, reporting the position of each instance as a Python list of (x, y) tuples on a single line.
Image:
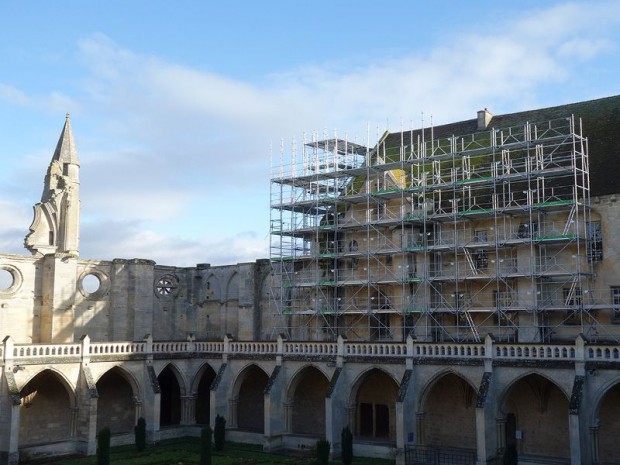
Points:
[(322, 451), (103, 446), (140, 434), (205, 446), (346, 439), (219, 433)]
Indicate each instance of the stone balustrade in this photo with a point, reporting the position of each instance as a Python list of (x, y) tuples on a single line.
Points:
[(38, 351), (173, 347), (488, 350), (311, 348), (206, 346), (449, 350), (603, 353), (253, 348), (534, 351), (375, 349), (110, 348)]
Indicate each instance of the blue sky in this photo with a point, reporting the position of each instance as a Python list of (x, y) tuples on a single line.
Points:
[(175, 105)]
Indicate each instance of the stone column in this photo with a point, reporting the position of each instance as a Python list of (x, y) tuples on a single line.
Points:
[(74, 421), (501, 432), (10, 404), (137, 403), (350, 411), (575, 440), (188, 410), (486, 430), (9, 451), (85, 416), (481, 436), (336, 416), (594, 444), (420, 430), (232, 411), (288, 415), (399, 416), (151, 398)]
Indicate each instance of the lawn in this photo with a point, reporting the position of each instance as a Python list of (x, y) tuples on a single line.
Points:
[(186, 451)]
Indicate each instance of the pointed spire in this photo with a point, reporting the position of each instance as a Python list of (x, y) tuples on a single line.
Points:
[(66, 150), (56, 224)]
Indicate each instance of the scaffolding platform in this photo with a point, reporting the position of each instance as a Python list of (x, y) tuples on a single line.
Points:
[(445, 239)]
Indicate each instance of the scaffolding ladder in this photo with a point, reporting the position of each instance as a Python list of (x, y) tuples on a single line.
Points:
[(472, 325), (470, 261)]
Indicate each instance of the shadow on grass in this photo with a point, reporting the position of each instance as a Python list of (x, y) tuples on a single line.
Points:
[(186, 451)]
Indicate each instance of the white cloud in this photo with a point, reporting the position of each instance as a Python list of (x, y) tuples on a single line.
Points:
[(118, 201), (134, 240), (13, 228), (12, 95), (181, 145), (54, 102), (584, 48)]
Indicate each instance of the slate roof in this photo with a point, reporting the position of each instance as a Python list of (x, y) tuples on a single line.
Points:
[(600, 122)]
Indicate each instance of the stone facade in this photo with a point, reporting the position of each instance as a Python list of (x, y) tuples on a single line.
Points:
[(92, 343)]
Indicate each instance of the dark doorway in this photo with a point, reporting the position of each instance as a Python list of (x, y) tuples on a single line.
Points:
[(203, 397), (366, 419), (170, 398), (251, 403), (374, 420), (375, 397), (382, 421), (511, 429)]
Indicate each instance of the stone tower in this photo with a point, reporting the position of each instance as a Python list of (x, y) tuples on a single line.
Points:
[(56, 224), (54, 238)]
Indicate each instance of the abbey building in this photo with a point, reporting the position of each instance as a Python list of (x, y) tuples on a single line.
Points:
[(445, 292)]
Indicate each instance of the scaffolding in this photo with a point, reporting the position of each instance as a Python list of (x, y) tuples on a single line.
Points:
[(447, 239)]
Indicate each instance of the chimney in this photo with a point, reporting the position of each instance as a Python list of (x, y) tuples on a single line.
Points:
[(484, 118)]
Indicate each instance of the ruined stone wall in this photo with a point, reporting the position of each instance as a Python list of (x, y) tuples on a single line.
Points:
[(20, 301), (60, 298)]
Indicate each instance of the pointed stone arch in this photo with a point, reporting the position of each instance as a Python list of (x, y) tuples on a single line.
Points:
[(127, 376), (535, 414), (67, 384), (209, 314), (172, 387), (232, 287), (426, 390), (605, 422), (116, 405), (179, 376), (305, 405), (48, 409), (372, 405), (448, 411), (213, 288), (201, 390), (522, 376), (248, 397)]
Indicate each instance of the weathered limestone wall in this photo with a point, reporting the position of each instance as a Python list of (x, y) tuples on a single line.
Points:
[(46, 414), (115, 405), (450, 412), (20, 304), (607, 210), (50, 301)]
